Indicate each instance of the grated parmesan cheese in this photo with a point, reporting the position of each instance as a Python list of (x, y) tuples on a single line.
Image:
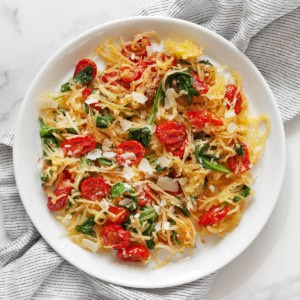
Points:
[(94, 154), (229, 114), (125, 124), (164, 162), (106, 144), (91, 100), (157, 227), (108, 154), (90, 245), (166, 225), (232, 127), (127, 172), (145, 166), (167, 184), (104, 204), (139, 97)]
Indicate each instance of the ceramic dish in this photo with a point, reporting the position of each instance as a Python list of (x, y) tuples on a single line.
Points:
[(208, 257)]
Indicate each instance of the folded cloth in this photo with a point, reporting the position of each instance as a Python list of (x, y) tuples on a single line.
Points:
[(268, 32)]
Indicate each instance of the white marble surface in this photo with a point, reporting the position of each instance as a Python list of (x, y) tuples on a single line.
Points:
[(31, 30)]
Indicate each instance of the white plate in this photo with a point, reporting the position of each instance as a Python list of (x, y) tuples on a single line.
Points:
[(205, 259)]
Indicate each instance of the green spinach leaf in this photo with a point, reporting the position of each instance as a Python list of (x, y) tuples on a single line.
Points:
[(87, 227), (205, 160), (45, 130), (65, 87), (142, 135), (104, 121), (84, 76), (105, 162)]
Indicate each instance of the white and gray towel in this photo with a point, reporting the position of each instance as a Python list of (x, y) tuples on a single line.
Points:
[(268, 32)]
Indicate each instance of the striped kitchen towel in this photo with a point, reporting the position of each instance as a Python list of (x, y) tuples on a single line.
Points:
[(268, 32)]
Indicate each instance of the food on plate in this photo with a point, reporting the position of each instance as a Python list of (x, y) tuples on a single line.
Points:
[(140, 156)]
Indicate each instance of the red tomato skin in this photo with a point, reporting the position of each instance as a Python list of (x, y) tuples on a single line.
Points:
[(238, 163), (122, 212), (130, 146), (143, 42), (135, 253), (63, 189), (78, 146), (113, 235), (199, 118), (177, 149), (230, 92), (144, 198), (86, 92), (213, 216), (84, 63), (171, 132), (200, 85), (94, 188)]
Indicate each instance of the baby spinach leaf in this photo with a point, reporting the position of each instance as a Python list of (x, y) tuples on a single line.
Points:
[(245, 192), (45, 130), (120, 188), (105, 162), (159, 96), (142, 135), (87, 227), (148, 213), (205, 160), (84, 76), (184, 82), (65, 87), (205, 62), (184, 210), (104, 121)]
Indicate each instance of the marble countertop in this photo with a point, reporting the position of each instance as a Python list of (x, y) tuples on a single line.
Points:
[(32, 30)]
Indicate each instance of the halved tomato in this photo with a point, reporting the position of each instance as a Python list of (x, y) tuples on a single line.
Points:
[(240, 163), (171, 132), (120, 215), (135, 253), (115, 236), (213, 216), (94, 188), (78, 146), (130, 153), (230, 93), (62, 191), (201, 117)]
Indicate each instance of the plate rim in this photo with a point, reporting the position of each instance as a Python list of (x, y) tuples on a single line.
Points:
[(193, 276)]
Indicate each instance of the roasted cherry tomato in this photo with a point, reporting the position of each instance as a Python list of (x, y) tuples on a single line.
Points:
[(62, 191), (136, 253), (78, 146), (213, 216), (230, 92), (129, 75), (137, 51), (107, 76), (240, 163), (115, 236), (201, 117), (133, 149), (171, 132), (177, 149), (94, 188), (144, 198), (199, 85), (113, 78), (121, 215), (86, 92), (83, 64)]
